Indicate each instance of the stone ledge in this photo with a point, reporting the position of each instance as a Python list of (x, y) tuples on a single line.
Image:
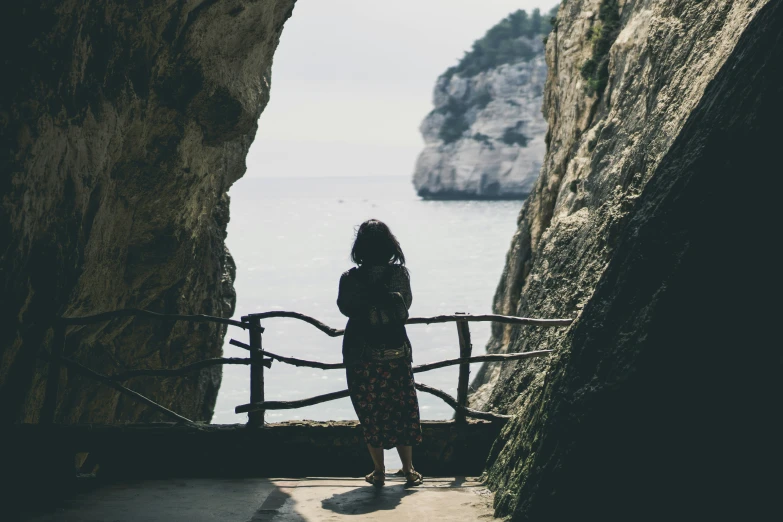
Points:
[(288, 449)]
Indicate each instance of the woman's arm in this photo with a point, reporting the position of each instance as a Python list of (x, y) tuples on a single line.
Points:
[(352, 300), (401, 284), (355, 301)]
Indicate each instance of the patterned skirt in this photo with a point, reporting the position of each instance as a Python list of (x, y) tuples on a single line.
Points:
[(385, 401)]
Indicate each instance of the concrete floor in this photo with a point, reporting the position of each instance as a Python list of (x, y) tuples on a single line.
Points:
[(279, 500)]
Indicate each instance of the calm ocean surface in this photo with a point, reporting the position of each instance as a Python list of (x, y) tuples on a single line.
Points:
[(291, 240)]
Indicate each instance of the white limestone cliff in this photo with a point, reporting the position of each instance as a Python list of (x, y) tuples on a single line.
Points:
[(485, 139)]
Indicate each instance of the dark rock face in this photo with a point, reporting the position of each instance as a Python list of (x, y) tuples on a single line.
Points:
[(660, 401), (123, 125)]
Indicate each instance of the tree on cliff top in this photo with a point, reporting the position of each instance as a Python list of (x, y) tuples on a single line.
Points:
[(503, 43)]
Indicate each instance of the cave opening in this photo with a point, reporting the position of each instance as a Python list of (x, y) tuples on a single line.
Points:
[(336, 145), (116, 197)]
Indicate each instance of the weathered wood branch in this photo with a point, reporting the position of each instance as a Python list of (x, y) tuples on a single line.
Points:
[(122, 389), (465, 351), (480, 358), (489, 318), (288, 405), (416, 369), (239, 344), (328, 330), (301, 362), (334, 332), (206, 363), (127, 312), (256, 418), (292, 360), (451, 401)]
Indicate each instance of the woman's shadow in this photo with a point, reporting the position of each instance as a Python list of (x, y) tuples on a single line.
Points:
[(367, 499)]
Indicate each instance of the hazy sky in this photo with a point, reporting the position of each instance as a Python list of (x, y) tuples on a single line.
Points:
[(352, 80)]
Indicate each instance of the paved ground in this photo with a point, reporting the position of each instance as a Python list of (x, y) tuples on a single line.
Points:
[(278, 500)]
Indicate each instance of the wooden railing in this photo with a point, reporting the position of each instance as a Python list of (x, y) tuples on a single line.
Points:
[(260, 359)]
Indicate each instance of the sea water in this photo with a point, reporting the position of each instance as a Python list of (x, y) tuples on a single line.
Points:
[(291, 240)]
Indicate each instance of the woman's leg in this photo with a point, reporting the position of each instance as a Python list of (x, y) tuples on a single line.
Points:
[(406, 456), (377, 458)]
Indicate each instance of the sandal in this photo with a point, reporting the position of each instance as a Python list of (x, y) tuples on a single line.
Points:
[(376, 478), (413, 478)]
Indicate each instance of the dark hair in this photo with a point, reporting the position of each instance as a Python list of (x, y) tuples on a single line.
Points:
[(375, 244)]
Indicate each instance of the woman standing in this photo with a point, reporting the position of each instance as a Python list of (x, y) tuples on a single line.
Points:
[(375, 296)]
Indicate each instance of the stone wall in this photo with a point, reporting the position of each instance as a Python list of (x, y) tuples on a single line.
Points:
[(122, 127), (651, 225), (288, 449)]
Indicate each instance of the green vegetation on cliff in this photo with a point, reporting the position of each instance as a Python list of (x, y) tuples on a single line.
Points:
[(506, 42), (602, 35), (503, 44), (455, 123)]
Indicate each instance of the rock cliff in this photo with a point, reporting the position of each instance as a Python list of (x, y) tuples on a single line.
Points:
[(485, 136), (650, 224), (123, 125)]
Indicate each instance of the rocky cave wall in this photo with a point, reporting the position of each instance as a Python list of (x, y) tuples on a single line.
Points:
[(123, 125), (652, 224)]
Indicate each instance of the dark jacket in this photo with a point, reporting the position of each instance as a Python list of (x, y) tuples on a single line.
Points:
[(376, 300)]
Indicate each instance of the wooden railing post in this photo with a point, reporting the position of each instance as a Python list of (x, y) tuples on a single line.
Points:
[(465, 350), (53, 378), (256, 418)]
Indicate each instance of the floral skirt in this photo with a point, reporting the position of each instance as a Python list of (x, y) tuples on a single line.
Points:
[(385, 401)]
